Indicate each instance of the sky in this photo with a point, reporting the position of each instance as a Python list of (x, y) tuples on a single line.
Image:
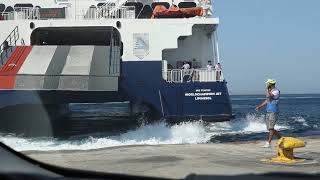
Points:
[(260, 39)]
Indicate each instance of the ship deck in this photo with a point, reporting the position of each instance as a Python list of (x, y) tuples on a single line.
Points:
[(178, 161)]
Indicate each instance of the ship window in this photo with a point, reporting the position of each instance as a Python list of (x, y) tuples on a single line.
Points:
[(118, 24), (99, 36), (138, 6), (32, 25), (90, 12), (62, 1), (20, 6), (102, 4), (9, 9), (146, 12), (187, 4), (2, 7), (167, 5)]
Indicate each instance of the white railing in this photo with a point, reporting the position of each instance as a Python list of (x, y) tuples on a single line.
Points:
[(27, 13), (117, 5), (21, 14), (104, 12), (192, 75), (7, 16), (124, 12)]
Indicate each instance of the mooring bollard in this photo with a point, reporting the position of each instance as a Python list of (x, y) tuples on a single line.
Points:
[(285, 148)]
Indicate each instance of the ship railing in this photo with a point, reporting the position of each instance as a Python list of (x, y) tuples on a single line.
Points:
[(108, 12), (104, 12), (27, 13), (192, 75), (8, 44), (7, 16), (21, 14)]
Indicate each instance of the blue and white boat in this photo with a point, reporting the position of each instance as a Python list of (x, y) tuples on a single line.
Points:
[(58, 52)]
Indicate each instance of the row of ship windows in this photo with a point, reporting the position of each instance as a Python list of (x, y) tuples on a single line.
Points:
[(4, 8)]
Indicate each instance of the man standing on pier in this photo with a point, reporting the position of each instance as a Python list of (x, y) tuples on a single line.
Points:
[(272, 101)]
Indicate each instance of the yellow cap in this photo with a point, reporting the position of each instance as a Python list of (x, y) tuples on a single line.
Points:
[(271, 81)]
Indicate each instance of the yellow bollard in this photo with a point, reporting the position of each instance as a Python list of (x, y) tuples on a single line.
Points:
[(285, 148)]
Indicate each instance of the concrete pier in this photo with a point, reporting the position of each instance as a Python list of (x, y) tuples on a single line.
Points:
[(177, 161)]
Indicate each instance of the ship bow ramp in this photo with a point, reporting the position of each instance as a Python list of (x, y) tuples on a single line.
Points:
[(47, 69), (66, 68)]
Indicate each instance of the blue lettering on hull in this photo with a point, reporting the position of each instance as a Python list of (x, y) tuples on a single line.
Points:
[(144, 83)]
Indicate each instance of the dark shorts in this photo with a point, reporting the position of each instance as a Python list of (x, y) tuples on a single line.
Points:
[(271, 119)]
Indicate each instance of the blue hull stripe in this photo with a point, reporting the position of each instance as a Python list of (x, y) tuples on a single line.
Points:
[(140, 82)]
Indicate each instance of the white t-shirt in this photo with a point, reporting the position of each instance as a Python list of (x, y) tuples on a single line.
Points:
[(209, 67), (205, 4), (186, 66), (276, 93), (218, 67)]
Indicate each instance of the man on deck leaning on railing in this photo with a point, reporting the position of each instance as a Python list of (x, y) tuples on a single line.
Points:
[(209, 66), (185, 65), (218, 69)]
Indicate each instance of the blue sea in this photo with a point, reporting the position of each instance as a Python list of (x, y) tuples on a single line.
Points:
[(299, 116)]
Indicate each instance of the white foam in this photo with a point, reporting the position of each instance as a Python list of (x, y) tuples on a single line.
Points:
[(153, 134), (300, 120), (252, 123), (307, 97), (282, 97), (247, 98)]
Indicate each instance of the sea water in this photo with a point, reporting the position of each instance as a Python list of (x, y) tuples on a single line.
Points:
[(299, 116)]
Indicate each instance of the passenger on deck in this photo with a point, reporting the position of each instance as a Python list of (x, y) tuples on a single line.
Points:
[(209, 66), (5, 45), (195, 64), (185, 65), (186, 72), (195, 74), (206, 5), (218, 69)]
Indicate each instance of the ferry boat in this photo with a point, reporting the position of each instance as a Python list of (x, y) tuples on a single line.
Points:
[(57, 52)]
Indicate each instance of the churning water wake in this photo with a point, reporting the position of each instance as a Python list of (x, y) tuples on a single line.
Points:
[(252, 123), (150, 134)]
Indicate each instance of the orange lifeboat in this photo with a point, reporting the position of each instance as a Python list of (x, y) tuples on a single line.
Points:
[(161, 11)]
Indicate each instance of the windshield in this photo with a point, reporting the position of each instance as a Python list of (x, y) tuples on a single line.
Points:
[(163, 90)]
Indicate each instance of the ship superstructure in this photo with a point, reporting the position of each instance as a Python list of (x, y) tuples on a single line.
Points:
[(93, 51)]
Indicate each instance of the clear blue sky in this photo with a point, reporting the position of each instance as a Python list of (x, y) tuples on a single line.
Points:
[(262, 39)]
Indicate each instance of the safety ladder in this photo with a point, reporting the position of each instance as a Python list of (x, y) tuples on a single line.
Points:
[(8, 45)]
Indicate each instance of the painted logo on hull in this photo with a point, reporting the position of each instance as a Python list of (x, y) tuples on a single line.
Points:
[(141, 45)]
